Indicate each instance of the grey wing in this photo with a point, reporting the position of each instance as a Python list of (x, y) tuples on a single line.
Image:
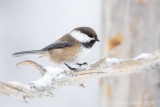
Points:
[(57, 45)]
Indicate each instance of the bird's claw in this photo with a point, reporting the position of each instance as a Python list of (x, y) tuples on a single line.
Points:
[(80, 64), (73, 69)]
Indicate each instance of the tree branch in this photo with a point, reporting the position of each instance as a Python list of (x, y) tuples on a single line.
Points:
[(54, 78)]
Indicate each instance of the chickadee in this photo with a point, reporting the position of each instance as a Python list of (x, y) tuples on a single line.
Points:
[(69, 48)]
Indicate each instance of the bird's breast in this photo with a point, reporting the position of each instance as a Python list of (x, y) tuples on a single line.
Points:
[(82, 53)]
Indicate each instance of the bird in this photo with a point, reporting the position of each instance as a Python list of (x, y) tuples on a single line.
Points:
[(71, 47)]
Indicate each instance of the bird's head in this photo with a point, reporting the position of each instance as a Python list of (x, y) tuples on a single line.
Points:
[(85, 35)]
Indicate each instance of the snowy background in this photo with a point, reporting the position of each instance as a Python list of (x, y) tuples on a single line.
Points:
[(34, 24)]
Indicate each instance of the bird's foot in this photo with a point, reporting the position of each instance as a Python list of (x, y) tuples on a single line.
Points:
[(80, 64), (73, 69)]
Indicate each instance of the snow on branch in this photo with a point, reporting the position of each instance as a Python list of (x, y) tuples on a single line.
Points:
[(54, 77)]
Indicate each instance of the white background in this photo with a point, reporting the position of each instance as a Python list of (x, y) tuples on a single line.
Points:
[(34, 24)]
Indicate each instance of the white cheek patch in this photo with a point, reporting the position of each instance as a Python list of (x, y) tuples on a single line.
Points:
[(81, 37)]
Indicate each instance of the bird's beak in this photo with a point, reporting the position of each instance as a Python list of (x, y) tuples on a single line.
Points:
[(97, 40)]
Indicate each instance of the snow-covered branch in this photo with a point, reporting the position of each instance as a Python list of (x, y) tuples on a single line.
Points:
[(54, 77)]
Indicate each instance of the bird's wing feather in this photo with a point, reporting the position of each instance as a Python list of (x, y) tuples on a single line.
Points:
[(57, 45)]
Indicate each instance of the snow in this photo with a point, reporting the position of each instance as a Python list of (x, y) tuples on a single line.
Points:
[(46, 80), (111, 61), (142, 56)]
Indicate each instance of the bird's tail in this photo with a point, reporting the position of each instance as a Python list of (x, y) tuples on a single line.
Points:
[(18, 54)]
